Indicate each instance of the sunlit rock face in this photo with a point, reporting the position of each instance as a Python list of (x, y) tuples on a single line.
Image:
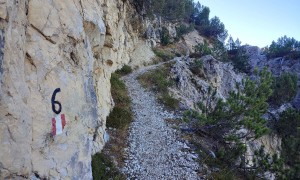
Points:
[(73, 45), (192, 83)]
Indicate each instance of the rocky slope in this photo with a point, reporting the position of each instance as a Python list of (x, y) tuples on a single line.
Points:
[(192, 87), (73, 45), (277, 66)]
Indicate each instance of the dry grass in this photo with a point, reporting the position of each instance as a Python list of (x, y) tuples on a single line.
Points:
[(159, 81), (116, 145), (103, 168)]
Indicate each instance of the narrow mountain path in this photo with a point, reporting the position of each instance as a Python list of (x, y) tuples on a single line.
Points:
[(155, 150)]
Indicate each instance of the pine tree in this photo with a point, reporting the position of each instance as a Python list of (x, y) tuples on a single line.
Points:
[(203, 17), (230, 43), (238, 43), (217, 29), (243, 109)]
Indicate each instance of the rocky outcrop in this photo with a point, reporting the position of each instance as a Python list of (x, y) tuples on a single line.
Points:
[(153, 30), (191, 40), (74, 45), (192, 87), (277, 66)]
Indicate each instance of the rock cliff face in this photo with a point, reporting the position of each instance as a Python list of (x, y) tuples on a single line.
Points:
[(74, 45), (193, 82)]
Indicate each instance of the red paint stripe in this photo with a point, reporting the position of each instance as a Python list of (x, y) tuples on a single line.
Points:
[(63, 121), (53, 126)]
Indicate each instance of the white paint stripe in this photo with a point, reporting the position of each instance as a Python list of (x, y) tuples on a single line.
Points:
[(58, 124)]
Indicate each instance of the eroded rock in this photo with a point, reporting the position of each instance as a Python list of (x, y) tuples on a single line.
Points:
[(74, 45), (193, 88)]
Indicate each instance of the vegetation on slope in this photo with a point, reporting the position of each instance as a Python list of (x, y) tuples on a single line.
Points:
[(285, 89), (104, 169), (284, 47), (232, 52), (121, 115), (244, 110), (103, 166), (163, 54), (288, 127), (159, 81), (186, 11)]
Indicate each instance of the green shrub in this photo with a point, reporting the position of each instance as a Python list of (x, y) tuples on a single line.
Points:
[(182, 30), (169, 101), (119, 91), (156, 79), (172, 10), (121, 115), (197, 68), (224, 174), (165, 36), (202, 49), (199, 63), (219, 51), (163, 54), (104, 169), (124, 70), (285, 88)]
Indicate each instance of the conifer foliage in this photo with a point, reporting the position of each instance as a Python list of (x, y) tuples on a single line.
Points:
[(284, 46), (187, 11), (239, 119), (242, 110)]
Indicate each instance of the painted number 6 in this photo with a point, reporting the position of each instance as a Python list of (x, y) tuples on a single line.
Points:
[(53, 102)]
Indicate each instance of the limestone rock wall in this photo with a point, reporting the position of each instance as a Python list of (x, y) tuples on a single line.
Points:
[(192, 87), (152, 29), (74, 45)]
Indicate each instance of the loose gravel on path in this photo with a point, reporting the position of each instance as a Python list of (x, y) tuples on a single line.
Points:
[(155, 150)]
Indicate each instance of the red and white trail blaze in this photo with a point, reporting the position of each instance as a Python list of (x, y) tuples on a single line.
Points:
[(58, 124)]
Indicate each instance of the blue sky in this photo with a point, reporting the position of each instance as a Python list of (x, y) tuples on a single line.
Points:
[(257, 22)]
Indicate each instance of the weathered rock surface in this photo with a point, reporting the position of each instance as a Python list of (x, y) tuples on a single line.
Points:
[(192, 88), (74, 45), (153, 30), (192, 39)]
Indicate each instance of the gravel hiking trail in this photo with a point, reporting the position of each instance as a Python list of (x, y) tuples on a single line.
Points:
[(155, 150)]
